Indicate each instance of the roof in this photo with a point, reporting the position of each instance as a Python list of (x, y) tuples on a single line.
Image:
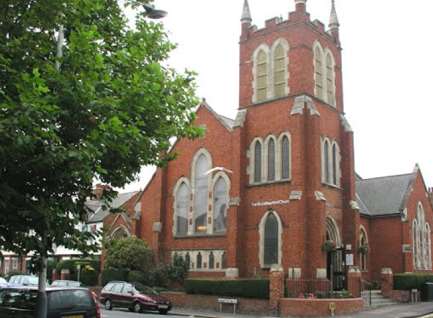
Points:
[(117, 202), (225, 121), (383, 195)]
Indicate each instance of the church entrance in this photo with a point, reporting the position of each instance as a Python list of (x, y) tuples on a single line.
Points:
[(335, 267)]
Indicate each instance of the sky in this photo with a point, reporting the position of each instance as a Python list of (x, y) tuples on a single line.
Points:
[(387, 70)]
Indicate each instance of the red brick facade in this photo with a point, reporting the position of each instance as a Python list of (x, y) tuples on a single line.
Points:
[(303, 203)]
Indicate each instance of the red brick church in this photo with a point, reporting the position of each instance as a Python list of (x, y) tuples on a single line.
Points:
[(276, 186)]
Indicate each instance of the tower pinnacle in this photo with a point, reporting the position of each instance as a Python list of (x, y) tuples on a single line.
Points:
[(246, 13), (333, 20)]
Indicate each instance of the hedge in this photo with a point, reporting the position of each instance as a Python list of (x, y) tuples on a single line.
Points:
[(109, 275), (411, 280), (247, 288)]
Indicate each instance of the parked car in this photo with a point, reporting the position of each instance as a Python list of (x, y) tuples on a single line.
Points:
[(65, 283), (21, 302), (23, 280), (3, 283), (134, 296)]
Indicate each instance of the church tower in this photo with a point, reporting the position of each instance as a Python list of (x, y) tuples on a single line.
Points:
[(300, 180)]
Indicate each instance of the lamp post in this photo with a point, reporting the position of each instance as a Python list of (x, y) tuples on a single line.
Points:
[(153, 13)]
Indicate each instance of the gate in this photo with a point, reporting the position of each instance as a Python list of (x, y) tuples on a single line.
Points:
[(336, 269)]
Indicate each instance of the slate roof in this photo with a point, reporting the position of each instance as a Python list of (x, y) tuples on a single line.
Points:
[(383, 195), (100, 213)]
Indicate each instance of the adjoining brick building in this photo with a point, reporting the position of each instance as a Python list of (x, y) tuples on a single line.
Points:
[(276, 186)]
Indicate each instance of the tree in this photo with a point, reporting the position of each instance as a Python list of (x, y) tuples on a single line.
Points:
[(130, 254), (100, 110)]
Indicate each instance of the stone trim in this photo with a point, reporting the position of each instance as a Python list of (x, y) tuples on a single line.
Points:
[(262, 239)]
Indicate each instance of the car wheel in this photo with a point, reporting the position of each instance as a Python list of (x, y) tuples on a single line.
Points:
[(163, 312), (137, 307), (108, 305)]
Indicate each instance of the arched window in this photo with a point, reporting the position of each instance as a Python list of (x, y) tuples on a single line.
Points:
[(220, 205), (262, 76), (285, 158), (257, 162), (271, 159), (330, 79), (199, 261), (201, 184), (334, 164), (224, 260), (182, 207), (422, 240), (326, 161), (318, 71), (363, 250), (188, 260), (280, 70), (271, 240), (211, 261)]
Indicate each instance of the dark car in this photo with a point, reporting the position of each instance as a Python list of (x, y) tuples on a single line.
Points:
[(21, 302), (134, 296), (65, 283)]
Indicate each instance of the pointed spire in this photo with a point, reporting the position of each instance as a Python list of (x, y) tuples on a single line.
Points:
[(333, 20), (246, 13)]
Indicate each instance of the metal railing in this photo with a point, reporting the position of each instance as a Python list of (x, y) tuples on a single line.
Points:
[(296, 288), (366, 286)]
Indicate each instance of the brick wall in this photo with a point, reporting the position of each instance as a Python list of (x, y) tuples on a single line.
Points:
[(319, 307)]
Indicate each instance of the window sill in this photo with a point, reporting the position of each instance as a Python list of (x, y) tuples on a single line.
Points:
[(266, 183), (269, 100), (332, 186), (204, 235)]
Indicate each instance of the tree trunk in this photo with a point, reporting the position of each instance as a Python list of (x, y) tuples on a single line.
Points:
[(42, 294)]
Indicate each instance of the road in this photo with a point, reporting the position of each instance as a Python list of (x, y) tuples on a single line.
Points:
[(119, 313)]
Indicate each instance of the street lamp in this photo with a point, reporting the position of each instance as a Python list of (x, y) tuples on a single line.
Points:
[(153, 13)]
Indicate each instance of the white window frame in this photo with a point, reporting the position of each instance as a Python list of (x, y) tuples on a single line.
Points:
[(280, 156), (182, 180), (318, 46), (266, 50), (252, 166), (215, 179), (266, 162), (331, 144), (328, 53), (262, 239), (286, 49)]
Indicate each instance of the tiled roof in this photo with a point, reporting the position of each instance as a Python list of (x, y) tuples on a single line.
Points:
[(117, 202), (384, 195)]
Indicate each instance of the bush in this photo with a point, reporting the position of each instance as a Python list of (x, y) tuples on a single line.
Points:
[(89, 276), (411, 280), (89, 270), (178, 270), (109, 275), (247, 288), (137, 276)]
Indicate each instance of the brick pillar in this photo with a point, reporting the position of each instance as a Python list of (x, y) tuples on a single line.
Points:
[(354, 281), (64, 274), (276, 288), (387, 281)]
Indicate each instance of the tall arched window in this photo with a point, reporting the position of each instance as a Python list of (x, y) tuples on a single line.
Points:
[(271, 240), (326, 162), (199, 261), (422, 242), (201, 184), (188, 260), (363, 250), (182, 207), (271, 159), (257, 162), (318, 71), (415, 243), (285, 158), (211, 260), (280, 70), (221, 200), (262, 76), (334, 164), (330, 79)]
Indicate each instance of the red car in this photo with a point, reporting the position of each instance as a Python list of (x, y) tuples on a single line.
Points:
[(134, 296)]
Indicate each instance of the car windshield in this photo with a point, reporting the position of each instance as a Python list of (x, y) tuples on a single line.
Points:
[(3, 281), (142, 289), (31, 280), (69, 299)]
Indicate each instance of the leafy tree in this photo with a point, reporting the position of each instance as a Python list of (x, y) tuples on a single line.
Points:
[(98, 105), (131, 254)]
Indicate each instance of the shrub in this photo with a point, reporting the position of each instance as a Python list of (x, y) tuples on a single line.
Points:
[(109, 275), (247, 288), (86, 265), (411, 280), (89, 276), (178, 270), (137, 276)]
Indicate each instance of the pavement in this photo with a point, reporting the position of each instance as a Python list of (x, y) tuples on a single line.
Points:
[(418, 310)]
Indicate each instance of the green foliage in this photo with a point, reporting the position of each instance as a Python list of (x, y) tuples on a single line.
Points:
[(411, 280), (178, 270), (89, 276), (138, 276), (130, 254), (103, 109), (89, 270), (248, 288), (109, 275)]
